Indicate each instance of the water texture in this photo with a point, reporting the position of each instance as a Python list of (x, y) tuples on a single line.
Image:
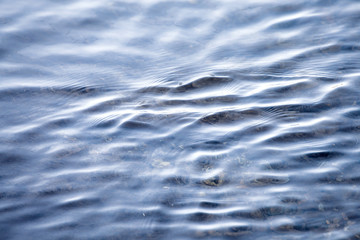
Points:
[(178, 120)]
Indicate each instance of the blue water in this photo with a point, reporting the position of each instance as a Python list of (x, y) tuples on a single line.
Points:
[(179, 119)]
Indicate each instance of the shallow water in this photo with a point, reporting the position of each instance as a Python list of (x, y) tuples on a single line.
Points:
[(179, 119)]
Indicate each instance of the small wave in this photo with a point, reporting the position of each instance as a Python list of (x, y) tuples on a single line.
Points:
[(202, 83)]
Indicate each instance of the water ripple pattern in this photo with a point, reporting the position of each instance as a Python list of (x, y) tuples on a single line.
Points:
[(179, 119)]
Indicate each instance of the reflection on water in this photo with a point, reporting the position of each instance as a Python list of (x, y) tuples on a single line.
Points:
[(179, 120)]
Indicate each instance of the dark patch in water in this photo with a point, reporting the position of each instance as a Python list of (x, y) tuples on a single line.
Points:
[(266, 181), (156, 90), (209, 205), (353, 114), (202, 217), (81, 203), (291, 200), (61, 190), (293, 137), (203, 83), (8, 158), (227, 117), (319, 156), (136, 125)]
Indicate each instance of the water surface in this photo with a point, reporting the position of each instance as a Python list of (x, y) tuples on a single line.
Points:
[(179, 119)]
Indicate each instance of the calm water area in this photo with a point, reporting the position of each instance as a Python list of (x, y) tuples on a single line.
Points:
[(185, 119)]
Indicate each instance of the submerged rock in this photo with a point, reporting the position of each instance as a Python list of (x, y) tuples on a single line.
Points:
[(215, 181)]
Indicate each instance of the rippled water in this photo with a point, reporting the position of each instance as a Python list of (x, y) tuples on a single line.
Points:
[(179, 119)]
